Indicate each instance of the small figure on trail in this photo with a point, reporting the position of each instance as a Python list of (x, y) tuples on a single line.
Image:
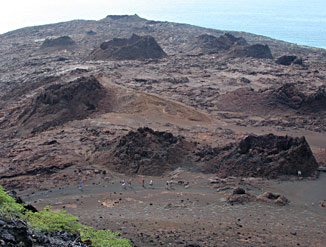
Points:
[(299, 173), (129, 183), (151, 183), (124, 185), (167, 185), (80, 187), (170, 184), (143, 182)]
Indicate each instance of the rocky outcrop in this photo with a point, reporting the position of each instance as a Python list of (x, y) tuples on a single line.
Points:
[(211, 44), (274, 198), (254, 51), (145, 152), (62, 42), (56, 105), (91, 32), (124, 18), (240, 196), (136, 47), (316, 101), (287, 97), (16, 232), (322, 204), (19, 200), (288, 60), (267, 156)]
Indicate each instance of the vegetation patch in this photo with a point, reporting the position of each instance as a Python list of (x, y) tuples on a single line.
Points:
[(48, 221)]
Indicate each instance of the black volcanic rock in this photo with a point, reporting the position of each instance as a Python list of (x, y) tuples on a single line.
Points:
[(268, 156), (271, 156), (255, 51), (146, 152), (316, 101), (61, 42), (91, 32), (288, 60), (136, 47), (212, 44), (125, 18), (16, 232), (289, 95)]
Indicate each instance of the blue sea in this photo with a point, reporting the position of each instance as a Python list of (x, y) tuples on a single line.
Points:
[(295, 21)]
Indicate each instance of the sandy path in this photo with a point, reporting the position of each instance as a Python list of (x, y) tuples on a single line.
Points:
[(160, 217)]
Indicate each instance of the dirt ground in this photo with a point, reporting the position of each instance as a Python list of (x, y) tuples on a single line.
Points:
[(211, 99), (197, 213)]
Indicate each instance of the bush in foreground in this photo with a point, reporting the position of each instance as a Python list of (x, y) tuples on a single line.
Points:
[(49, 221)]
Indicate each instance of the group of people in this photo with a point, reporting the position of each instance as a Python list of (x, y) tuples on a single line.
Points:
[(124, 185), (127, 184)]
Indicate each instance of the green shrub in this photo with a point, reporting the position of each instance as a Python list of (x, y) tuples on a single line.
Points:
[(9, 206), (49, 221), (104, 238)]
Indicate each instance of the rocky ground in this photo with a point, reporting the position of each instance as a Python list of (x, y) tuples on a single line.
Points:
[(195, 210), (89, 101)]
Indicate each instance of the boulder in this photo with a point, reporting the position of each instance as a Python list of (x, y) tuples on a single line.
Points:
[(145, 152), (316, 101), (239, 191), (91, 32), (240, 196), (288, 60), (254, 51), (273, 198), (211, 44), (136, 47), (289, 95), (62, 42), (16, 232), (57, 104), (267, 156)]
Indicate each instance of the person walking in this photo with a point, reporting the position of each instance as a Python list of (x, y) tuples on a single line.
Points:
[(124, 185), (143, 182), (80, 187), (151, 183)]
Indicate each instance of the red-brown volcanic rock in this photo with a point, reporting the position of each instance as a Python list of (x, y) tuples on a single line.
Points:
[(56, 105), (285, 98)]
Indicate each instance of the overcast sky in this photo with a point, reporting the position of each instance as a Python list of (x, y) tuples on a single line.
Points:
[(16, 14)]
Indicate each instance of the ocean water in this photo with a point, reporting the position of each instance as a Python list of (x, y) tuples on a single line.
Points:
[(296, 21)]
